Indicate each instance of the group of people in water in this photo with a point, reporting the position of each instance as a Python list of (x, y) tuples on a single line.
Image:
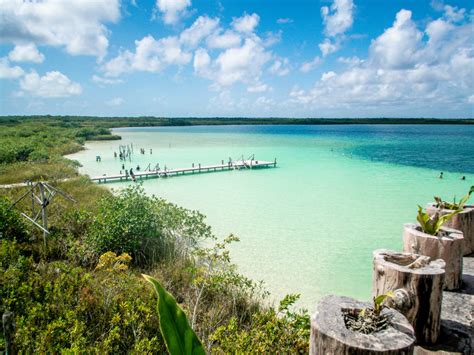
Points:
[(441, 175)]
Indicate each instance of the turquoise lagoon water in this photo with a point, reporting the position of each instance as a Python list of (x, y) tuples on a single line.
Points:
[(310, 225)]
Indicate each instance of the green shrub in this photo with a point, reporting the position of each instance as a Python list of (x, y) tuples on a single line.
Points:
[(11, 223), (270, 331), (127, 223)]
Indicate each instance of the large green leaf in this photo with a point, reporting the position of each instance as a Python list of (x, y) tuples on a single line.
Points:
[(179, 337)]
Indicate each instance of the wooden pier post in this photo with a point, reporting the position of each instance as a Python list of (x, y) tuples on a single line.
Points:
[(417, 282)]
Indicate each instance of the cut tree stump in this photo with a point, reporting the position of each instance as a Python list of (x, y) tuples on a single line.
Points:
[(463, 221), (329, 334), (446, 246), (417, 281)]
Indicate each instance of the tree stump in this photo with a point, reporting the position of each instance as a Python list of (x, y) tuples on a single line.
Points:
[(418, 284), (447, 246), (329, 334), (463, 221)]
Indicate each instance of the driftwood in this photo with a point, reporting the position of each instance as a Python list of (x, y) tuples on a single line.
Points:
[(446, 246), (329, 334), (463, 221), (418, 283)]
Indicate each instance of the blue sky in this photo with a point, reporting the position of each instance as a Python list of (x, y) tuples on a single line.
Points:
[(260, 58)]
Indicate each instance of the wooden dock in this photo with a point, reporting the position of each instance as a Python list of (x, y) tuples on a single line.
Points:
[(196, 168)]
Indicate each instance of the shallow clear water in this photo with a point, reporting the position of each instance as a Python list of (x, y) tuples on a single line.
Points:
[(310, 225)]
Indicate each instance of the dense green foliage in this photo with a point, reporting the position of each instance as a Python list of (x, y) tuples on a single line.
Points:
[(11, 224), (75, 294)]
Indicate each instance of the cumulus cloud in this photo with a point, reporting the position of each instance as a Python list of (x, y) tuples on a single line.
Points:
[(310, 65), (200, 29), (407, 68), (327, 47), (9, 72), (246, 23), (172, 10), (224, 56), (280, 67), (238, 64), (224, 40), (399, 46), (26, 53), (150, 55), (338, 18), (52, 84), (79, 26)]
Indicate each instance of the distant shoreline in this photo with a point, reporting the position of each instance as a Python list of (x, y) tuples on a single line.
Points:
[(117, 122)]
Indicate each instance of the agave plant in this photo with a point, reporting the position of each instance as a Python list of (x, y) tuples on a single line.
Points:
[(174, 326), (432, 225), (453, 205)]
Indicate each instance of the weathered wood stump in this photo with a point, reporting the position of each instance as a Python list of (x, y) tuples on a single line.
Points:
[(418, 284), (447, 246), (329, 334), (463, 221)]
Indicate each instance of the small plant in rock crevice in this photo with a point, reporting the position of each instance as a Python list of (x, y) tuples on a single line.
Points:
[(369, 320)]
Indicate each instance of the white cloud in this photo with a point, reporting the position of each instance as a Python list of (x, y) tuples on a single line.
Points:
[(404, 71), (350, 61), (471, 99), (26, 53), (270, 38), (225, 40), (454, 14), (52, 84), (310, 65), (241, 64), (9, 72), (280, 67), (117, 101), (101, 81), (202, 62), (398, 47), (77, 25), (246, 23), (200, 29), (258, 87), (172, 10), (284, 20), (327, 47), (339, 18), (150, 56)]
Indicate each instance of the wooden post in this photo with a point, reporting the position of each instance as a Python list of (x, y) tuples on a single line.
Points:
[(463, 221), (8, 321), (418, 284), (448, 247), (44, 216), (329, 334)]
